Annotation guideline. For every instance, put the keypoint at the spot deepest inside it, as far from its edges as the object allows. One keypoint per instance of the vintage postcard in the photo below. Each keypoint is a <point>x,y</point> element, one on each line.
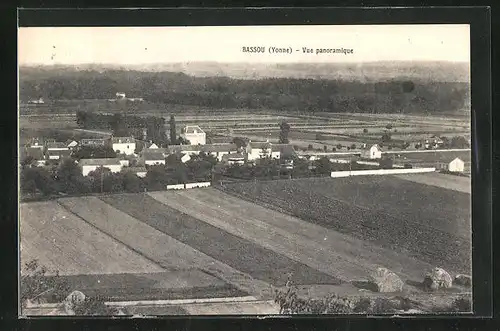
<point>248,170</point>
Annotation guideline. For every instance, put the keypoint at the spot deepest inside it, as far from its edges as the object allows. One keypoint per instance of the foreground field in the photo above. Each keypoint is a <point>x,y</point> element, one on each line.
<point>254,260</point>
<point>426,222</point>
<point>153,286</point>
<point>168,252</point>
<point>61,241</point>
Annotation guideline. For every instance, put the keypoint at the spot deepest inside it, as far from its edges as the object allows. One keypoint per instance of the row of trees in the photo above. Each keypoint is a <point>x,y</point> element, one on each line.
<point>125,125</point>
<point>67,178</point>
<point>273,93</point>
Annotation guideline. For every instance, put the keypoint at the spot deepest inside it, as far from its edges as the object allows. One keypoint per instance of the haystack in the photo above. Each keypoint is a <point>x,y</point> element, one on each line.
<point>463,280</point>
<point>73,299</point>
<point>437,278</point>
<point>385,280</point>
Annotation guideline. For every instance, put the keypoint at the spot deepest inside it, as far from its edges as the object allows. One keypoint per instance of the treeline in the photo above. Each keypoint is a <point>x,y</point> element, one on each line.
<point>307,95</point>
<point>66,178</point>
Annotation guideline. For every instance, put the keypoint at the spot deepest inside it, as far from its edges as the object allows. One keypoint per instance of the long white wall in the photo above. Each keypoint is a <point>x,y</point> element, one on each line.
<point>188,185</point>
<point>380,172</point>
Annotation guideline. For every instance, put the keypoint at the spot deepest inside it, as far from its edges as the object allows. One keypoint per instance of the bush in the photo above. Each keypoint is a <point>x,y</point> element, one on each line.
<point>365,130</point>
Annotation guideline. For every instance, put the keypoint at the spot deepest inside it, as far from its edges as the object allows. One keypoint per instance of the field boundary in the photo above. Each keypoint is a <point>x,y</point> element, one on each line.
<point>336,174</point>
<point>111,236</point>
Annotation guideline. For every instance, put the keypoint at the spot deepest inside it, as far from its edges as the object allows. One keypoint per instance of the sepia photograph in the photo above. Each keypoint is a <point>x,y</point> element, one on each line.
<point>245,170</point>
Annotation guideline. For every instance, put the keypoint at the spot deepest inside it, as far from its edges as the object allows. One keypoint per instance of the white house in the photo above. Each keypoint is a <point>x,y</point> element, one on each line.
<point>120,95</point>
<point>153,157</point>
<point>457,165</point>
<point>194,134</point>
<point>257,150</point>
<point>153,146</point>
<point>123,145</point>
<point>89,165</point>
<point>375,152</point>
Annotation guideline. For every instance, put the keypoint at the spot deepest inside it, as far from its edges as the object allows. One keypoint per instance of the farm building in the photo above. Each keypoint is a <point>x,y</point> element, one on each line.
<point>123,145</point>
<point>89,165</point>
<point>120,95</point>
<point>457,165</point>
<point>35,153</point>
<point>153,157</point>
<point>194,134</point>
<point>153,146</point>
<point>375,152</point>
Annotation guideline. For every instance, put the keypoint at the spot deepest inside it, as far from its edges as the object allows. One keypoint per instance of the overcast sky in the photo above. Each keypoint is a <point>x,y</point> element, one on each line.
<point>143,45</point>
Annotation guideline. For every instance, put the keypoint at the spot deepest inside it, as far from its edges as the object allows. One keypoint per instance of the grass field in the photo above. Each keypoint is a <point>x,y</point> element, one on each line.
<point>426,222</point>
<point>243,255</point>
<point>61,241</point>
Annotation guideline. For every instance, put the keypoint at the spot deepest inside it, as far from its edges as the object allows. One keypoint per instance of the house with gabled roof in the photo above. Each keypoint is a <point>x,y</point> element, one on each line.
<point>123,145</point>
<point>89,165</point>
<point>194,134</point>
<point>152,157</point>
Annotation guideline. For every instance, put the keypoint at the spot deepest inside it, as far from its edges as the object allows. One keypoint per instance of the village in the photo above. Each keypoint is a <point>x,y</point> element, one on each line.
<point>136,156</point>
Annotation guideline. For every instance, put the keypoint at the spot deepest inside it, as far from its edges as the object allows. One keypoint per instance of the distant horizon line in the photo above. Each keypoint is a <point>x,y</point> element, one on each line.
<point>248,63</point>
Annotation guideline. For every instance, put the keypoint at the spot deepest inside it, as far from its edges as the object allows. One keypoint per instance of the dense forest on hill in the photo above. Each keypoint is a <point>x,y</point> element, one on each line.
<point>302,94</point>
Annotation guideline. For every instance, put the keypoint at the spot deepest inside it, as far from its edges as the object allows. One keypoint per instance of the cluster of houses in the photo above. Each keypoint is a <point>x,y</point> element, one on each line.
<point>151,154</point>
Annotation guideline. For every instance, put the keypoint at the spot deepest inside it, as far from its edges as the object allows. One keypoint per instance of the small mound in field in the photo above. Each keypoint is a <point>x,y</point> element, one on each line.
<point>436,279</point>
<point>73,299</point>
<point>384,280</point>
<point>463,280</point>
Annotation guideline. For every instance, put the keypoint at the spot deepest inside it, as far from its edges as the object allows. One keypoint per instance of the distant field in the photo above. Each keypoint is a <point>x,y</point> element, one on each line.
<point>430,156</point>
<point>427,222</point>
<point>252,259</point>
<point>447,181</point>
<point>61,241</point>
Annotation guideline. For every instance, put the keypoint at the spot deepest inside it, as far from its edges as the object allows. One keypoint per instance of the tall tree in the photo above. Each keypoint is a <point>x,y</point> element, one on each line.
<point>284,131</point>
<point>173,134</point>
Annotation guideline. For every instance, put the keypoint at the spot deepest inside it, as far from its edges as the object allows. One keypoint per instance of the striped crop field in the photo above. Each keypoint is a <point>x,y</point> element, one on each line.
<point>425,222</point>
<point>250,258</point>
